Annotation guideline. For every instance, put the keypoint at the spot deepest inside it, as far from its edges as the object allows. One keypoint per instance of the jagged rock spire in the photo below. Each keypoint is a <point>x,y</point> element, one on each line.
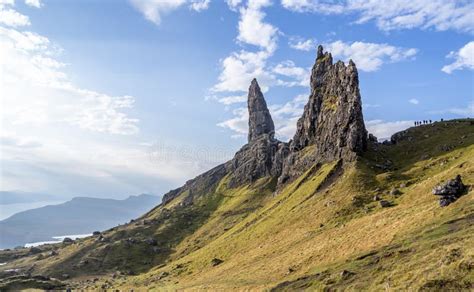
<point>260,120</point>
<point>332,119</point>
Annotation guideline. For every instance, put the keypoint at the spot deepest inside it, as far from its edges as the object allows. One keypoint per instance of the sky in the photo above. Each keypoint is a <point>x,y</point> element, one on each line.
<point>109,98</point>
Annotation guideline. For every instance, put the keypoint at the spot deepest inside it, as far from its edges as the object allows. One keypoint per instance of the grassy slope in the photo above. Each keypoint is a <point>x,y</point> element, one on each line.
<point>308,233</point>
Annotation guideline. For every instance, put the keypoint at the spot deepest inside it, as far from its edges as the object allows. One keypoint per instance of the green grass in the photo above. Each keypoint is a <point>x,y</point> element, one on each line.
<point>305,235</point>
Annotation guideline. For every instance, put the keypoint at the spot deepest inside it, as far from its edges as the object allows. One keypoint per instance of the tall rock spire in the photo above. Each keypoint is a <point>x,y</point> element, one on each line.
<point>260,120</point>
<point>332,122</point>
<point>332,119</point>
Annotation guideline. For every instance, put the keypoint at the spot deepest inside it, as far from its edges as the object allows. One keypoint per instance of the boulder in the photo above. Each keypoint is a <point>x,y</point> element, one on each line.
<point>395,192</point>
<point>68,240</point>
<point>385,204</point>
<point>216,262</point>
<point>450,191</point>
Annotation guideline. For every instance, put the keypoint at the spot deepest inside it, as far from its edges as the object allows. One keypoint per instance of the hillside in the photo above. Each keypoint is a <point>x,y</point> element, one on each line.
<point>80,215</point>
<point>7,198</point>
<point>331,209</point>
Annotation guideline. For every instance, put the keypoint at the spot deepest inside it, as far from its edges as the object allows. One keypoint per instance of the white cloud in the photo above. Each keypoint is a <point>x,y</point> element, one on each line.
<point>369,56</point>
<point>153,10</point>
<point>300,76</point>
<point>253,30</point>
<point>389,15</point>
<point>320,6</point>
<point>34,3</point>
<point>57,137</point>
<point>228,100</point>
<point>284,116</point>
<point>239,69</point>
<point>13,18</point>
<point>233,4</point>
<point>414,101</point>
<point>467,111</point>
<point>406,14</point>
<point>35,89</point>
<point>384,130</point>
<point>463,59</point>
<point>302,45</point>
<point>238,123</point>
<point>199,5</point>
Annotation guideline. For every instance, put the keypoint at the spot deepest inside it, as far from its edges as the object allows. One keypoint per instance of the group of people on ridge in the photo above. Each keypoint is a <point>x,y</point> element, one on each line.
<point>424,122</point>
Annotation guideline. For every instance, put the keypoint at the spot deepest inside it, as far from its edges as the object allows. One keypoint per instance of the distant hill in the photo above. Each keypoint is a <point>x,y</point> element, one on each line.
<point>14,197</point>
<point>80,215</point>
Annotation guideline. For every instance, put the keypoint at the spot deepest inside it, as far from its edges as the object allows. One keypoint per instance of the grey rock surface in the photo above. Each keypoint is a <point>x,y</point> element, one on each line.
<point>260,120</point>
<point>331,128</point>
<point>450,191</point>
<point>263,155</point>
<point>332,121</point>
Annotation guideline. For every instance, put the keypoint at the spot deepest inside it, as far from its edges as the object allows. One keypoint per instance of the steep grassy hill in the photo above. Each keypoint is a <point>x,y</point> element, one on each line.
<point>324,230</point>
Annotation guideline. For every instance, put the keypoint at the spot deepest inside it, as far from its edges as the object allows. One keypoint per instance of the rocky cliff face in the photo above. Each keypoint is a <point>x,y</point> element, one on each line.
<point>332,125</point>
<point>332,119</point>
<point>331,128</point>
<point>263,154</point>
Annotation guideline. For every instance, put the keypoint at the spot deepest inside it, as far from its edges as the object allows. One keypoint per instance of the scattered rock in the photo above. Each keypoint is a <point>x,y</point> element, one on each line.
<point>372,138</point>
<point>446,148</point>
<point>450,191</point>
<point>377,198</point>
<point>68,240</point>
<point>395,192</point>
<point>53,253</point>
<point>216,262</point>
<point>452,256</point>
<point>151,241</point>
<point>346,274</point>
<point>385,204</point>
<point>35,250</point>
<point>96,233</point>
<point>163,275</point>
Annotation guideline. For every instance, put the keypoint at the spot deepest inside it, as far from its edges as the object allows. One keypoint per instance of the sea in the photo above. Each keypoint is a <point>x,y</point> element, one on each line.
<point>57,239</point>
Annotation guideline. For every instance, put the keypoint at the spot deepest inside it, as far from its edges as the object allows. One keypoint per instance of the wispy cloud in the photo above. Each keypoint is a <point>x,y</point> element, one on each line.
<point>301,44</point>
<point>414,101</point>
<point>370,56</point>
<point>384,130</point>
<point>284,116</point>
<point>463,59</point>
<point>467,111</point>
<point>153,10</point>
<point>390,15</point>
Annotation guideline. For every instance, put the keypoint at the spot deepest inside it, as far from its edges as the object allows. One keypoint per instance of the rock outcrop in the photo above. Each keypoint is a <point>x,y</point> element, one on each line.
<point>331,128</point>
<point>450,191</point>
<point>332,119</point>
<point>263,154</point>
<point>332,125</point>
<point>260,120</point>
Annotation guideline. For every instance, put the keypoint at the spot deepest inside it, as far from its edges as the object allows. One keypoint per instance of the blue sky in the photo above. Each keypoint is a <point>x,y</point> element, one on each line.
<point>111,98</point>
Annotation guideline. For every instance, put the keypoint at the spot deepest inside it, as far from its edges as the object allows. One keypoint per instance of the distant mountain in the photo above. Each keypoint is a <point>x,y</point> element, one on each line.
<point>80,215</point>
<point>14,197</point>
